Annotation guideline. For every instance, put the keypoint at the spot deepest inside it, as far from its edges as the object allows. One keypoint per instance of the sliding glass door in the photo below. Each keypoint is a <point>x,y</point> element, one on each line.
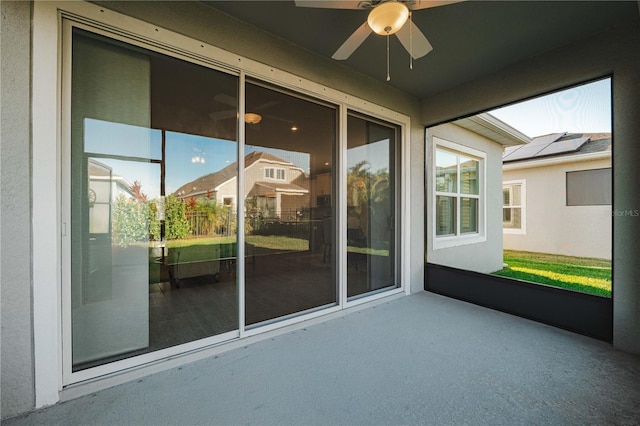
<point>371,205</point>
<point>289,208</point>
<point>161,182</point>
<point>153,150</point>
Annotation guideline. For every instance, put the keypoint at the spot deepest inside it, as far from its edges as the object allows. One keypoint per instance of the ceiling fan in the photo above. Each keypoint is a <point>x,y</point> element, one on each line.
<point>250,117</point>
<point>386,17</point>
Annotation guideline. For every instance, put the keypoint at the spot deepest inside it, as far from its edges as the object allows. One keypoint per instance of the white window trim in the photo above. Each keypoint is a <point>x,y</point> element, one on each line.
<point>523,207</point>
<point>447,241</point>
<point>48,132</point>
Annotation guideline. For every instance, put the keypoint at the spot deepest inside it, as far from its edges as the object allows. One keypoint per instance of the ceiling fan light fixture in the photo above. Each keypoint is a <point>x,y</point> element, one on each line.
<point>252,118</point>
<point>388,17</point>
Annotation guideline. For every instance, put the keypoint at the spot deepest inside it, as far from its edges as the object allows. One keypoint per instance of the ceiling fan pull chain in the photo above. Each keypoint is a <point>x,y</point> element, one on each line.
<point>388,74</point>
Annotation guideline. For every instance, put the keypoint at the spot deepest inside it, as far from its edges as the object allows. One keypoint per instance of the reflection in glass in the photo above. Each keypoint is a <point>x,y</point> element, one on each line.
<point>370,185</point>
<point>153,166</point>
<point>445,215</point>
<point>446,172</point>
<point>469,171</point>
<point>288,193</point>
<point>468,215</point>
<point>456,175</point>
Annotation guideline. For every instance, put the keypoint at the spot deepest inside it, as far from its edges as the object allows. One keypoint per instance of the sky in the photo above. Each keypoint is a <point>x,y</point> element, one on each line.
<point>582,109</point>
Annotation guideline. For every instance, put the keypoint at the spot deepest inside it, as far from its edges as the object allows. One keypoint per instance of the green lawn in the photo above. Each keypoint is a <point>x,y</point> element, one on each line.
<point>582,274</point>
<point>212,248</point>
<point>203,249</point>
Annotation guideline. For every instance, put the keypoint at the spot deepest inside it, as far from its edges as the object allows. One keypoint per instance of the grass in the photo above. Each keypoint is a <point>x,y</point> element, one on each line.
<point>582,274</point>
<point>212,248</point>
<point>367,250</point>
<point>208,248</point>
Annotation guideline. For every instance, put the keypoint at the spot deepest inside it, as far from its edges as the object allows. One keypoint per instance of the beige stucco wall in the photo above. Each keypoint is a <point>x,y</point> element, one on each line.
<point>17,386</point>
<point>551,225</point>
<point>485,256</point>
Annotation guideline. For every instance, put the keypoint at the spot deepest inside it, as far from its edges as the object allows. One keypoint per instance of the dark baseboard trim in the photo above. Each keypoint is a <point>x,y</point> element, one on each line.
<point>578,312</point>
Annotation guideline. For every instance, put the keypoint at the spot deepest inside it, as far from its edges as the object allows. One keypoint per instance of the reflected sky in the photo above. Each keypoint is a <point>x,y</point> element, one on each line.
<point>188,157</point>
<point>376,154</point>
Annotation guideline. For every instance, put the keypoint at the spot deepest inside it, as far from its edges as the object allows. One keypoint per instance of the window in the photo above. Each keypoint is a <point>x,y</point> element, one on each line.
<point>458,193</point>
<point>589,187</point>
<point>372,212</point>
<point>513,207</point>
<point>272,173</point>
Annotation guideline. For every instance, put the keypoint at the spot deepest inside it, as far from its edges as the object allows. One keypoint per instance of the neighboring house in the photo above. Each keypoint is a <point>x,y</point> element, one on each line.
<point>557,194</point>
<point>278,187</point>
<point>465,156</point>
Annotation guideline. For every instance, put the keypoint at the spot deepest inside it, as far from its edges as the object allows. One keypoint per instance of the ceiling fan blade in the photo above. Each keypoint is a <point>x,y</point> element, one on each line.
<point>223,98</point>
<point>414,40</point>
<point>425,4</point>
<point>353,42</point>
<point>332,4</point>
<point>222,115</point>
<point>267,105</point>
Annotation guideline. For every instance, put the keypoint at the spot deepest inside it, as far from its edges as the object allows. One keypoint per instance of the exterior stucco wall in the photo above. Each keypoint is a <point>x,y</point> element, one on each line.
<point>616,51</point>
<point>15,210</point>
<point>483,256</point>
<point>551,225</point>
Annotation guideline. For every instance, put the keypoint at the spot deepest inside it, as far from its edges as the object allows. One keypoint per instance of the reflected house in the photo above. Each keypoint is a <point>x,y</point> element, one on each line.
<point>557,194</point>
<point>276,188</point>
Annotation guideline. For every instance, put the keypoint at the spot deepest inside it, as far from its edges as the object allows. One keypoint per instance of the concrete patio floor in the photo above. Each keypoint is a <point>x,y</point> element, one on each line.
<point>420,359</point>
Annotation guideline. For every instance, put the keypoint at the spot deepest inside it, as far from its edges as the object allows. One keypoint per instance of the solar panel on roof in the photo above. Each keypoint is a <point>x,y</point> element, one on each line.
<point>560,147</point>
<point>545,145</point>
<point>547,139</point>
<point>525,151</point>
<point>509,150</point>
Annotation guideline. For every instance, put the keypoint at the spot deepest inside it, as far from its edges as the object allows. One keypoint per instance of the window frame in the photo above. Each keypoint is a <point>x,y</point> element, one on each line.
<point>459,238</point>
<point>273,173</point>
<point>522,206</point>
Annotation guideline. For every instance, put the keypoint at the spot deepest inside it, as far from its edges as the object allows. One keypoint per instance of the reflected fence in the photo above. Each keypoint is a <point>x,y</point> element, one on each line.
<point>205,224</point>
<point>293,224</point>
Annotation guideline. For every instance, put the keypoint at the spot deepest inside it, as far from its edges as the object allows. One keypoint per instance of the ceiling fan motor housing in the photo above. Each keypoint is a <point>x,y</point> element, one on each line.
<point>387,18</point>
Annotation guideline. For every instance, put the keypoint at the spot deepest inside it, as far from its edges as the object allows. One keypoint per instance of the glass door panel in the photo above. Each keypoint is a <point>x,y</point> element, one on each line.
<point>153,184</point>
<point>289,208</point>
<point>371,206</point>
